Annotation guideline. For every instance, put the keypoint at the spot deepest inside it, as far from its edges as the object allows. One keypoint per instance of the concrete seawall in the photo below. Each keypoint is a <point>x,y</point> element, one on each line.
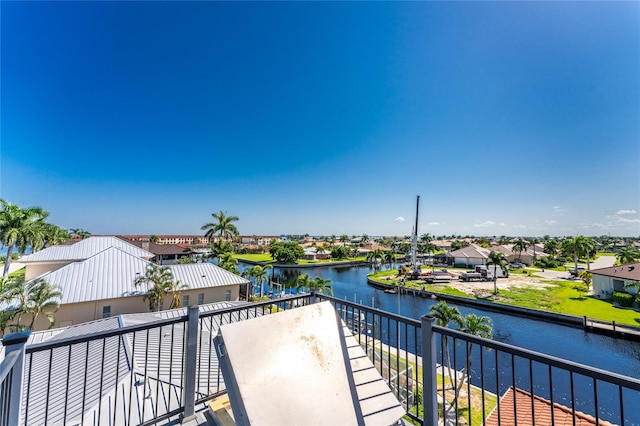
<point>591,325</point>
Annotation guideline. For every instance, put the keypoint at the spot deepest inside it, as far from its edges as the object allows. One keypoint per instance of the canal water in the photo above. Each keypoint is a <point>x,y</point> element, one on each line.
<point>619,356</point>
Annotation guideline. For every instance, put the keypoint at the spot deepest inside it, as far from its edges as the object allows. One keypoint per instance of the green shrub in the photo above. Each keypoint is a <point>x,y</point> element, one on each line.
<point>623,299</point>
<point>548,262</point>
<point>460,265</point>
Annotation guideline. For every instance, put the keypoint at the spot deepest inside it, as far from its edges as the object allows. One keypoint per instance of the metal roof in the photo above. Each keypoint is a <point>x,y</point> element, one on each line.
<point>204,275</point>
<point>84,249</point>
<point>126,379</point>
<point>111,273</point>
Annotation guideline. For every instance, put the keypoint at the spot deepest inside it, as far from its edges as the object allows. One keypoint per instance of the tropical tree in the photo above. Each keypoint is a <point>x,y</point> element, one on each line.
<point>153,239</point>
<point>389,257</point>
<point>551,247</point>
<point>42,299</point>
<point>344,238</point>
<point>496,258</point>
<point>223,225</point>
<point>286,252</point>
<point>174,288</point>
<point>19,227</point>
<point>304,282</point>
<point>445,315</point>
<point>158,280</point>
<point>520,245</point>
<point>320,249</point>
<point>365,239</point>
<point>375,256</point>
<point>478,326</point>
<point>79,232</point>
<point>52,235</point>
<point>260,273</point>
<point>321,285</point>
<point>228,262</point>
<point>627,254</point>
<point>577,247</point>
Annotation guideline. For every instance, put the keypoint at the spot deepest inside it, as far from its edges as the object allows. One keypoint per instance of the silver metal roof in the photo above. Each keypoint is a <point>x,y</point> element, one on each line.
<point>111,274</point>
<point>125,379</point>
<point>84,249</point>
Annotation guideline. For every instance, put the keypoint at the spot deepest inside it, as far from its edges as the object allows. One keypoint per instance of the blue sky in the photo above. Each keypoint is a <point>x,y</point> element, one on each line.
<point>324,118</point>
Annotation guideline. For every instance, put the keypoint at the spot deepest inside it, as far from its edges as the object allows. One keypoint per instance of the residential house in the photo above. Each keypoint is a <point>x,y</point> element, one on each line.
<point>614,278</point>
<point>468,256</point>
<point>100,285</point>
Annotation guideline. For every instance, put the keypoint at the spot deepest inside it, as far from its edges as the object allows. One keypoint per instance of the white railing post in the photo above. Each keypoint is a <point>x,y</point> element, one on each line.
<point>14,344</point>
<point>429,382</point>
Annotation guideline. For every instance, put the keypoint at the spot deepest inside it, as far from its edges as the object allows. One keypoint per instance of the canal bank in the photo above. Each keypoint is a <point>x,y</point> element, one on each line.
<point>339,263</point>
<point>610,329</point>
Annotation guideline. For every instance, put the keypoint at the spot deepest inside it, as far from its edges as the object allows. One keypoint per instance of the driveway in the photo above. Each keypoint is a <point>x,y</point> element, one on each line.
<point>601,262</point>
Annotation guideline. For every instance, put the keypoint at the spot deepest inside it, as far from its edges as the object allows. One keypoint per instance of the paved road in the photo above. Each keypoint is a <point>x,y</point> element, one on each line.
<point>601,262</point>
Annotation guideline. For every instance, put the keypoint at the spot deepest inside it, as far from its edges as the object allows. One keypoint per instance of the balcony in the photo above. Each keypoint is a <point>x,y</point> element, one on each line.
<point>140,369</point>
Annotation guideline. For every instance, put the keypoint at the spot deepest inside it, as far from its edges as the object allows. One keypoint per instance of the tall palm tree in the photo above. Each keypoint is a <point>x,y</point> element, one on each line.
<point>365,239</point>
<point>223,225</point>
<point>496,258</point>
<point>157,279</point>
<point>42,299</point>
<point>19,227</point>
<point>321,285</point>
<point>445,315</point>
<point>520,245</point>
<point>579,246</point>
<point>478,326</point>
<point>628,254</point>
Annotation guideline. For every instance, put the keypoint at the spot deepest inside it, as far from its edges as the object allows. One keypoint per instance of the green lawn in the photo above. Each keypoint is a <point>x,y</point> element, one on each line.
<point>560,296</point>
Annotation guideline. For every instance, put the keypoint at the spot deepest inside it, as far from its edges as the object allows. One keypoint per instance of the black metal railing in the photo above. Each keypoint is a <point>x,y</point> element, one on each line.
<point>155,372</point>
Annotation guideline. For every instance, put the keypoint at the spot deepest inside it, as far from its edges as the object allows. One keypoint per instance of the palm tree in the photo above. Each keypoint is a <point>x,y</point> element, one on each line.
<point>54,235</point>
<point>496,258</point>
<point>374,256</point>
<point>304,282</point>
<point>157,279</point>
<point>223,225</point>
<point>19,227</point>
<point>227,262</point>
<point>365,239</point>
<point>444,316</point>
<point>260,273</point>
<point>174,287</point>
<point>344,238</point>
<point>478,326</point>
<point>628,254</point>
<point>389,257</point>
<point>42,299</point>
<point>321,285</point>
<point>520,245</point>
<point>579,246</point>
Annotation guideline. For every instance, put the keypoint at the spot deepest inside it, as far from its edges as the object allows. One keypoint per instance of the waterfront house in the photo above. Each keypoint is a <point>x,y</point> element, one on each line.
<point>96,277</point>
<point>56,257</point>
<point>615,278</point>
<point>468,256</point>
<point>164,254</point>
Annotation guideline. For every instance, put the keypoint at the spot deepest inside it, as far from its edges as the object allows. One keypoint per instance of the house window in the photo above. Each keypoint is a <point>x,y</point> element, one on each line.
<point>106,311</point>
<point>200,298</point>
<point>161,306</point>
<point>227,295</point>
<point>185,300</point>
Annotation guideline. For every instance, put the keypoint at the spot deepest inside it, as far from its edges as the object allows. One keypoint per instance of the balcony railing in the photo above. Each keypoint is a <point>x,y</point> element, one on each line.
<point>159,371</point>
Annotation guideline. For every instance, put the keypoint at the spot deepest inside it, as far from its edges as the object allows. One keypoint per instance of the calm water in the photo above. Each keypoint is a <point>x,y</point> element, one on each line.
<point>569,343</point>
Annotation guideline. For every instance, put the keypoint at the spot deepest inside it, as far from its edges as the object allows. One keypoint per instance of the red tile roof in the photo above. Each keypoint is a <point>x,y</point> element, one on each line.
<point>562,415</point>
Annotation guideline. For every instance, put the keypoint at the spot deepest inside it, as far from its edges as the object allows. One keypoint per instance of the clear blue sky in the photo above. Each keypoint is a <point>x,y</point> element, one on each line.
<point>324,118</point>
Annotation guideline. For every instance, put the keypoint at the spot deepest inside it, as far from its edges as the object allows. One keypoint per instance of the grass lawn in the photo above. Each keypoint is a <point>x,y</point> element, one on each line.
<point>562,297</point>
<point>265,257</point>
